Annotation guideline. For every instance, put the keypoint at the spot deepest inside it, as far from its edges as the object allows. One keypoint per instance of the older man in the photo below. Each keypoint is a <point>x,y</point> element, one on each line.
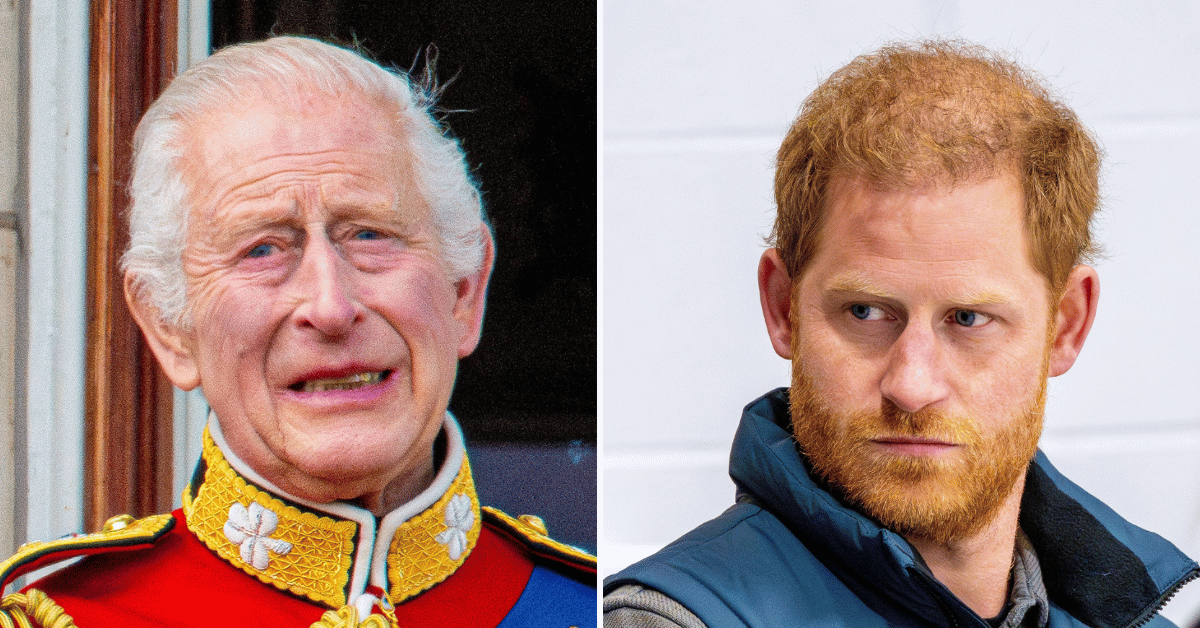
<point>308,247</point>
<point>934,210</point>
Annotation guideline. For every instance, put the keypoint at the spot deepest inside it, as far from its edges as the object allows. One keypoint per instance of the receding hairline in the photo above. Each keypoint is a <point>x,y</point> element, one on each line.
<point>947,109</point>
<point>928,183</point>
<point>205,126</point>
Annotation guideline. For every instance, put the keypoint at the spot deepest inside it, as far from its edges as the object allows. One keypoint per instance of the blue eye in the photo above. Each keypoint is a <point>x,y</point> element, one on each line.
<point>864,312</point>
<point>367,234</point>
<point>261,250</point>
<point>970,318</point>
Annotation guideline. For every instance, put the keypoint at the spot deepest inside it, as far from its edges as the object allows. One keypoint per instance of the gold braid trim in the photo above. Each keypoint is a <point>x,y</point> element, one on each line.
<point>347,617</point>
<point>16,609</point>
<point>424,550</point>
<point>418,558</point>
<point>120,531</point>
<point>317,565</point>
<point>532,530</point>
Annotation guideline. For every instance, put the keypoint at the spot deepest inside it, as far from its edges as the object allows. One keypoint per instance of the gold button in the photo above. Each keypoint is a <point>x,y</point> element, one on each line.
<point>535,522</point>
<point>119,522</point>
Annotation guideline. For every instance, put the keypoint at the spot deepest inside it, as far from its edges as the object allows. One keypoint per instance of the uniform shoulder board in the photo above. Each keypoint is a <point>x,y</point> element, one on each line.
<point>530,531</point>
<point>121,533</point>
<point>33,609</point>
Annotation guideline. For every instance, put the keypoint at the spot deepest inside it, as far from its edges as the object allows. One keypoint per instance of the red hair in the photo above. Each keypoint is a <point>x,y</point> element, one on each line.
<point>940,111</point>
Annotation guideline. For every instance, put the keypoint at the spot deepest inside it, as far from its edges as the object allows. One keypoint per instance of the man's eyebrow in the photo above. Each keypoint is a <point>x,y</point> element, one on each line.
<point>855,283</point>
<point>984,297</point>
<point>393,213</point>
<point>348,208</point>
<point>258,221</point>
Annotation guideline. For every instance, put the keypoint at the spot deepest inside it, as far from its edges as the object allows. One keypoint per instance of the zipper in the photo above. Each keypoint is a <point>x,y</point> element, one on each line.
<point>1149,613</point>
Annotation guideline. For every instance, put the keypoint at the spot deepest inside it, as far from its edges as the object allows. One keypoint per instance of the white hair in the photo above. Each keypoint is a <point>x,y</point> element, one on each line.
<point>278,68</point>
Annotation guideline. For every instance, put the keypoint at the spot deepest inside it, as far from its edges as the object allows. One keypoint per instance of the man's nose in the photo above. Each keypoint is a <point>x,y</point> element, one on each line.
<point>914,377</point>
<point>327,300</point>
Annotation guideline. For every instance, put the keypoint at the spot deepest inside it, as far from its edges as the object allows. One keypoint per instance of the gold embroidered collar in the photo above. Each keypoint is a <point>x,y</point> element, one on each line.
<point>331,553</point>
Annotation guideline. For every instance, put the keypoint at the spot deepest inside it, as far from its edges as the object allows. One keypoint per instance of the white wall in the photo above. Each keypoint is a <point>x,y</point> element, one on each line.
<point>54,249</point>
<point>10,171</point>
<point>696,97</point>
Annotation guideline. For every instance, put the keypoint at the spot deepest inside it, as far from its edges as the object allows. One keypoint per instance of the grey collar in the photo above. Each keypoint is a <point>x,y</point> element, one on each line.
<point>1028,589</point>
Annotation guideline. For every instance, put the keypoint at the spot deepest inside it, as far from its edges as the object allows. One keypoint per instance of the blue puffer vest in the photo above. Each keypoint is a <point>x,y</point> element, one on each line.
<point>794,555</point>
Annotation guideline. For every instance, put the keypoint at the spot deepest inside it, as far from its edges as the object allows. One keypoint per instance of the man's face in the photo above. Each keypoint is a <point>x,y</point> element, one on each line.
<point>326,333</point>
<point>921,352</point>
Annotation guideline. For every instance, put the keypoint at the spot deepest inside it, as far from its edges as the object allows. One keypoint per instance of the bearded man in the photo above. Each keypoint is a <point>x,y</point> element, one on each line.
<point>934,210</point>
<point>308,246</point>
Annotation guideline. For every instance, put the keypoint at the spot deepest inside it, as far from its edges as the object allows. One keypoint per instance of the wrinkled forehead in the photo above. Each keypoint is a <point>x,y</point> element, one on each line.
<point>262,135</point>
<point>307,120</point>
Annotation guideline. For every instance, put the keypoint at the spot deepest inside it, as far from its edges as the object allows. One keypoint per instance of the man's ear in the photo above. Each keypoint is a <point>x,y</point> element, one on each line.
<point>1074,317</point>
<point>172,346</point>
<point>472,298</point>
<point>775,294</point>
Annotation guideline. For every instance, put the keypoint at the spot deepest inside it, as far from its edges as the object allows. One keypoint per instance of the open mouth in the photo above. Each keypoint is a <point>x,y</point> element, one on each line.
<point>348,382</point>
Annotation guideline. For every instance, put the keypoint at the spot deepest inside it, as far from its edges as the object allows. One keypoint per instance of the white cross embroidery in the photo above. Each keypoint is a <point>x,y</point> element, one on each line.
<point>251,530</point>
<point>459,520</point>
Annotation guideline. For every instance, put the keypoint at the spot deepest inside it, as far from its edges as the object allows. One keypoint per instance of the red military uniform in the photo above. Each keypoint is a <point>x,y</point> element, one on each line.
<point>240,552</point>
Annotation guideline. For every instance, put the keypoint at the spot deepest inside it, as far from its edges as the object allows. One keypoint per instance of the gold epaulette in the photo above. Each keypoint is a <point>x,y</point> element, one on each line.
<point>530,531</point>
<point>121,533</point>
<point>33,609</point>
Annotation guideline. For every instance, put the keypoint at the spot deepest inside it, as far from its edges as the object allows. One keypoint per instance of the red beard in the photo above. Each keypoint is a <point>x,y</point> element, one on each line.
<point>942,499</point>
